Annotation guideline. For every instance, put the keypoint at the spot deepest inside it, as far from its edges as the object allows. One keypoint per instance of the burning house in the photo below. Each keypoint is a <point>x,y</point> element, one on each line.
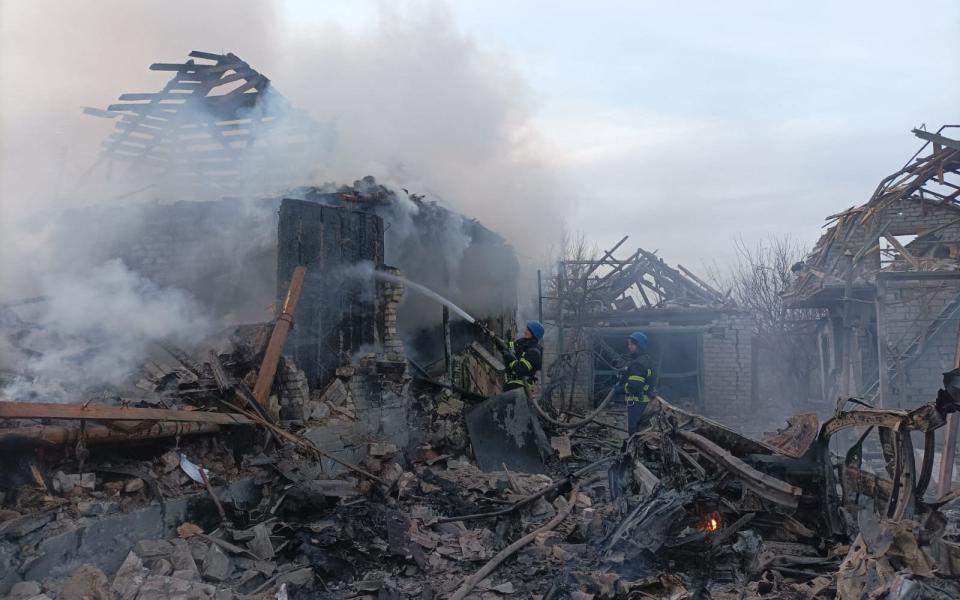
<point>246,242</point>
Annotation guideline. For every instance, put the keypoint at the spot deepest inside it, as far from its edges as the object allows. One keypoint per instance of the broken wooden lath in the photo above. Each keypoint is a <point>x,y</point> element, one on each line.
<point>642,280</point>
<point>216,119</point>
<point>931,177</point>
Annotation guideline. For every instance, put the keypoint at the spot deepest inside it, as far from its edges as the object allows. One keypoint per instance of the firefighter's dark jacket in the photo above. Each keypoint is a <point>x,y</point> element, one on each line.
<point>524,362</point>
<point>639,379</point>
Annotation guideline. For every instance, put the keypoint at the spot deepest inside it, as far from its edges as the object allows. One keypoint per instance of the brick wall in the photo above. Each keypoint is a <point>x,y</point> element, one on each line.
<point>911,216</point>
<point>907,312</point>
<point>336,316</point>
<point>391,294</point>
<point>727,368</point>
<point>905,217</point>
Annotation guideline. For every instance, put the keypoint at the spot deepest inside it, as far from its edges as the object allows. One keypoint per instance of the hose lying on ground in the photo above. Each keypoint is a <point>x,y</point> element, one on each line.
<point>572,424</point>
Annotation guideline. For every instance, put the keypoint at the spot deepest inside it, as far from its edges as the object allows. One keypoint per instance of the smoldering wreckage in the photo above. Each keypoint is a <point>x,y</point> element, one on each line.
<point>358,445</point>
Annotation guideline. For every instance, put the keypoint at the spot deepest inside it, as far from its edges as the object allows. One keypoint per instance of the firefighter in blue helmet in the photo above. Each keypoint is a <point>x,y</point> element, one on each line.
<point>637,381</point>
<point>523,358</point>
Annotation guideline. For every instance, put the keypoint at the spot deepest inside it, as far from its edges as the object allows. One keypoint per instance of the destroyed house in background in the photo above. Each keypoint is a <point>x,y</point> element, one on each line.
<point>888,276</point>
<point>701,342</point>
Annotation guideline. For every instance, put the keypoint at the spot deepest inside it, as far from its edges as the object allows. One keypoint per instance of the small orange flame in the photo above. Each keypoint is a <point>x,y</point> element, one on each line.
<point>711,523</point>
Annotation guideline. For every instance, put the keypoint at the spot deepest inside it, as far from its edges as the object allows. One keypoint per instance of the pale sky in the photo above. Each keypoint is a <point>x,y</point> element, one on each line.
<point>686,125</point>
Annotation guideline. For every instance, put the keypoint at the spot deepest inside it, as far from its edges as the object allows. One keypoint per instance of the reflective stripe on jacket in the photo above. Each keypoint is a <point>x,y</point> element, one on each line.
<point>523,368</point>
<point>638,386</point>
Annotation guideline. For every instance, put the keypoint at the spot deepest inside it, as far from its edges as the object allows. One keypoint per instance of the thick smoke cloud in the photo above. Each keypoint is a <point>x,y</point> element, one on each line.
<point>94,328</point>
<point>410,100</point>
<point>407,98</point>
<point>416,104</point>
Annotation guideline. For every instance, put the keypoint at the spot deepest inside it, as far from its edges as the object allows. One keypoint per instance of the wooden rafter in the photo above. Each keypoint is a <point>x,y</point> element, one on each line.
<point>214,109</point>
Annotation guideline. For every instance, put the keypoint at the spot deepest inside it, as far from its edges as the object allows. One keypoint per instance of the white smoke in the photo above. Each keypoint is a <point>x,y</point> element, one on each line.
<point>408,99</point>
<point>95,328</point>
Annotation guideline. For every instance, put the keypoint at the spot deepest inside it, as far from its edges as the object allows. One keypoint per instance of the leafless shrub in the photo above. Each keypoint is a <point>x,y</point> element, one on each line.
<point>785,338</point>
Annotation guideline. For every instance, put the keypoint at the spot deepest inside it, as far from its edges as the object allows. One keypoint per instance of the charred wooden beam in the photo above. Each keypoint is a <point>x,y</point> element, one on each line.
<point>100,412</point>
<point>271,358</point>
<point>937,138</point>
<point>712,430</point>
<point>768,487</point>
<point>219,374</point>
<point>869,484</point>
<point>195,68</point>
<point>96,434</point>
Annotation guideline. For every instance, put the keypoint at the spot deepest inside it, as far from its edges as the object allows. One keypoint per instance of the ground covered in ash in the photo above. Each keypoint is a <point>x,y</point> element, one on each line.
<point>687,508</point>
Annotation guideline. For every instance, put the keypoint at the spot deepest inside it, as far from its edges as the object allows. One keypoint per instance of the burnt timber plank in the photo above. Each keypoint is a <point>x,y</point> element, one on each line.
<point>145,109</point>
<point>257,83</point>
<point>936,138</point>
<point>191,68</point>
<point>768,487</point>
<point>101,412</point>
<point>240,74</point>
<point>208,55</point>
<point>138,96</point>
<point>185,90</point>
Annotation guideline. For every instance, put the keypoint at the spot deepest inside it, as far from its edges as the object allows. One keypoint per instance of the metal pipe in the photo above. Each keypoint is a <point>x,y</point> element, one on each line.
<point>561,269</point>
<point>539,296</point>
<point>271,358</point>
<point>447,347</point>
<point>948,455</point>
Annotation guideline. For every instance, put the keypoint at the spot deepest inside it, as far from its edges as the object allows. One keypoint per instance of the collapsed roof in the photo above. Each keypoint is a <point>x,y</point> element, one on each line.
<point>611,288</point>
<point>921,199</point>
<point>217,120</point>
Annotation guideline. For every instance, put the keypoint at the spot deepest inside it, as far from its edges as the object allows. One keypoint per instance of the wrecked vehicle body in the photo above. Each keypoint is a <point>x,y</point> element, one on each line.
<point>796,517</point>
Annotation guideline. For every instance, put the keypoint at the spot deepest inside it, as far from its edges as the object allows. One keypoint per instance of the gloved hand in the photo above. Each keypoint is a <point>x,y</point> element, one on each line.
<point>619,388</point>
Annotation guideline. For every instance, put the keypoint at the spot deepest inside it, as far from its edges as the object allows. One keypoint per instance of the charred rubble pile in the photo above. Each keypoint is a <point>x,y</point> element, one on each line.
<point>303,459</point>
<point>787,517</point>
<point>238,500</point>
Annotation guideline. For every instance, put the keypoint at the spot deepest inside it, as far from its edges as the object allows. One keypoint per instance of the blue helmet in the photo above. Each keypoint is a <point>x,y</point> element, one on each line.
<point>640,339</point>
<point>536,328</point>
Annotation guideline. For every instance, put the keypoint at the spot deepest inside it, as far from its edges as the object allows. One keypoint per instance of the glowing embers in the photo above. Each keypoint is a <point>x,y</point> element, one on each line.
<point>711,523</point>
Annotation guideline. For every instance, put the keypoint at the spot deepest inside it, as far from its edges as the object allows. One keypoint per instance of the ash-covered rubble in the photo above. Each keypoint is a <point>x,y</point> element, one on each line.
<point>210,483</point>
<point>687,508</point>
<point>295,461</point>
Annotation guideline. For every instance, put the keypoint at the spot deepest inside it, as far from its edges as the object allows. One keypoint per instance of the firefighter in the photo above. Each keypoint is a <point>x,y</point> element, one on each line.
<point>636,381</point>
<point>524,358</point>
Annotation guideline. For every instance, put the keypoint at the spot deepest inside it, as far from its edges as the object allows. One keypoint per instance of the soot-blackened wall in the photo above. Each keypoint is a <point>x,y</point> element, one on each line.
<point>336,316</point>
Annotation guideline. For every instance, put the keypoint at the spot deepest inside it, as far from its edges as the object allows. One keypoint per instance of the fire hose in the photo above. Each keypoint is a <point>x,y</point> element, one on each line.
<point>572,424</point>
